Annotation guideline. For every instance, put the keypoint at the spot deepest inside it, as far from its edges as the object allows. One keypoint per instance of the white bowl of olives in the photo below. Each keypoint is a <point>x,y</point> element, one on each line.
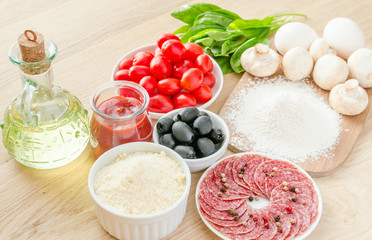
<point>201,137</point>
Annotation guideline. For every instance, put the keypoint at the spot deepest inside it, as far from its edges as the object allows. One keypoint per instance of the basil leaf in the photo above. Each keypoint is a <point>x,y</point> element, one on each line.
<point>232,44</point>
<point>182,29</point>
<point>216,48</point>
<point>187,13</point>
<point>206,41</point>
<point>220,35</point>
<point>203,33</point>
<point>224,63</point>
<point>241,24</point>
<point>212,17</point>
<point>235,58</point>
<point>196,29</point>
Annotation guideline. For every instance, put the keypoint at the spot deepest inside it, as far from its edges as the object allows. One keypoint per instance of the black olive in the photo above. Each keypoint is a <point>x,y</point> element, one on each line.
<point>182,132</point>
<point>204,114</point>
<point>185,151</point>
<point>164,125</point>
<point>205,146</point>
<point>202,125</point>
<point>167,140</point>
<point>188,114</point>
<point>216,135</point>
<point>175,118</point>
<point>217,146</point>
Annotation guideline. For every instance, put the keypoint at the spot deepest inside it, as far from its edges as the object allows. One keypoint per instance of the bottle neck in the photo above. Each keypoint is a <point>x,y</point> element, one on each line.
<point>42,83</point>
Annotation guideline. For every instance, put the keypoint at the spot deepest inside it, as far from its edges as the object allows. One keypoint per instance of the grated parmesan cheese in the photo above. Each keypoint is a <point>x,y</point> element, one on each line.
<point>140,183</point>
<point>284,118</point>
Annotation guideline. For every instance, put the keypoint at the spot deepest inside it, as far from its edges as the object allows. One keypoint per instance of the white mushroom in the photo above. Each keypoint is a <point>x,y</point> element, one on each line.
<point>348,98</point>
<point>260,60</point>
<point>319,48</point>
<point>297,64</point>
<point>329,71</point>
<point>360,66</point>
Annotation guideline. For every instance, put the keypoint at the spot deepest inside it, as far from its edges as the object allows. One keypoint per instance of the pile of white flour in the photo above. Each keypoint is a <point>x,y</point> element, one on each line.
<point>284,118</point>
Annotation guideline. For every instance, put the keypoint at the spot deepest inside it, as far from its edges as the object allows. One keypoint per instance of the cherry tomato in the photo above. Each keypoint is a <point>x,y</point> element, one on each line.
<point>136,73</point>
<point>158,52</point>
<point>148,83</point>
<point>193,50</point>
<point>160,103</point>
<point>184,99</point>
<point>122,75</point>
<point>179,68</point>
<point>165,37</point>
<point>126,63</point>
<point>192,79</point>
<point>202,94</point>
<point>142,58</point>
<point>160,67</point>
<point>169,86</point>
<point>204,63</point>
<point>209,79</point>
<point>173,50</point>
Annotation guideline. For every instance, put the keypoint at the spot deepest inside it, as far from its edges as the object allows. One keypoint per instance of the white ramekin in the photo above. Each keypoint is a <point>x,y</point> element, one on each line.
<point>131,227</point>
<point>199,164</point>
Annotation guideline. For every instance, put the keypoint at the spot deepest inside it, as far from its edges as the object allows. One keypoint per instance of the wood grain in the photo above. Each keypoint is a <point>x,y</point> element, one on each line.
<point>351,127</point>
<point>91,37</point>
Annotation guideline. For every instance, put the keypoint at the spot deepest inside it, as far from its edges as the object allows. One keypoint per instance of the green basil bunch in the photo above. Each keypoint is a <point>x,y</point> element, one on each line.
<point>224,34</point>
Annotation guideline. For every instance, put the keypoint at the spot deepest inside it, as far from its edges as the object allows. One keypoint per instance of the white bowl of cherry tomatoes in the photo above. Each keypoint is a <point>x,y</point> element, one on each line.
<point>175,75</point>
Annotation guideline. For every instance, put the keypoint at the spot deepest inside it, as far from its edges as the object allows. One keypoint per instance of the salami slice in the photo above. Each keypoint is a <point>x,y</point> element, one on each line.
<point>283,224</point>
<point>305,216</point>
<point>254,234</point>
<point>269,227</point>
<point>294,188</point>
<point>238,165</point>
<point>301,200</point>
<point>293,217</point>
<point>237,224</point>
<point>225,215</point>
<point>233,185</point>
<point>216,202</point>
<point>211,183</point>
<point>284,175</point>
<point>253,161</point>
<point>220,167</point>
<point>268,169</point>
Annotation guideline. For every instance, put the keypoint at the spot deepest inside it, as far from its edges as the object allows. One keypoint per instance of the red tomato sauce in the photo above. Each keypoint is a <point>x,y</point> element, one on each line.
<point>113,132</point>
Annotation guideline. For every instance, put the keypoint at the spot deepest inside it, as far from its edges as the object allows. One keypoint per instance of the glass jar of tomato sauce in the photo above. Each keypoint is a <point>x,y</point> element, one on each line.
<point>119,116</point>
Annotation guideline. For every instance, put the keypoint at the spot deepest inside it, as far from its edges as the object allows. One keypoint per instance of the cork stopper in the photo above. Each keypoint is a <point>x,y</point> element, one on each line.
<point>32,49</point>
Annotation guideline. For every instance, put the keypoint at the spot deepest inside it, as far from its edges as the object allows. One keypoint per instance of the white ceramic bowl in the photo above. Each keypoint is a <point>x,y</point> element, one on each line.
<point>199,164</point>
<point>132,227</point>
<point>262,202</point>
<point>151,48</point>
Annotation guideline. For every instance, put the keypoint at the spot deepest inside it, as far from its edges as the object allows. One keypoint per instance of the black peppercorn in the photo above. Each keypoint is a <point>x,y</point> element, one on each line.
<point>277,218</point>
<point>250,199</point>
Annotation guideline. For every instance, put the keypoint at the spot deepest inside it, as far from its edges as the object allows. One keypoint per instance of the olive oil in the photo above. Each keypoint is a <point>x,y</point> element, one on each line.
<point>50,144</point>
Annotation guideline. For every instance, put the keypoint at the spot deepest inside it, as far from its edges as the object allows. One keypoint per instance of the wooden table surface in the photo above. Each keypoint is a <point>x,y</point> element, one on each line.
<point>91,37</point>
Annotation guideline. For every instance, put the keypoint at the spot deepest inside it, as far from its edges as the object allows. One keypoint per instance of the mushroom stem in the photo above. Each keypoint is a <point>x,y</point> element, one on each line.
<point>261,49</point>
<point>351,84</point>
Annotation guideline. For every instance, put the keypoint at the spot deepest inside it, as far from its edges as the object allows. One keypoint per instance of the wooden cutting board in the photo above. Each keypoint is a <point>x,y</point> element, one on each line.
<point>316,167</point>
